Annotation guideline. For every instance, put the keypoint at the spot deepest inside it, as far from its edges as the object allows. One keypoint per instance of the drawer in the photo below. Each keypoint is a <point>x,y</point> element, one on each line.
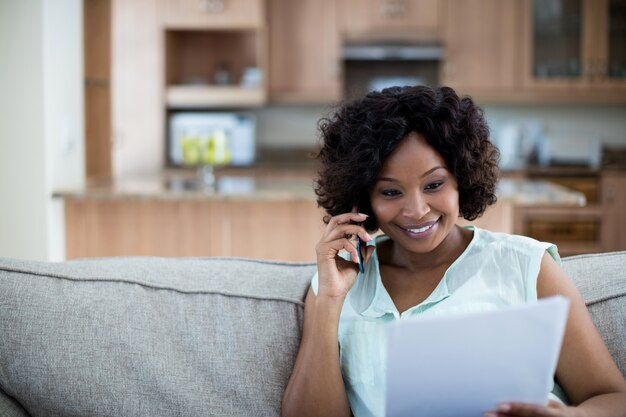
<point>563,231</point>
<point>212,14</point>
<point>589,186</point>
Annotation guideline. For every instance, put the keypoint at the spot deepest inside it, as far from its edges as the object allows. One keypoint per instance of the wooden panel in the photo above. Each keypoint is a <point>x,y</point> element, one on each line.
<point>525,215</point>
<point>137,89</point>
<point>97,39</point>
<point>280,230</point>
<point>195,56</point>
<point>482,45</point>
<point>391,18</point>
<point>275,230</point>
<point>75,229</point>
<point>593,86</point>
<point>304,51</point>
<point>199,233</point>
<point>497,218</point>
<point>214,97</point>
<point>212,14</point>
<point>98,130</point>
<point>97,66</point>
<point>613,210</point>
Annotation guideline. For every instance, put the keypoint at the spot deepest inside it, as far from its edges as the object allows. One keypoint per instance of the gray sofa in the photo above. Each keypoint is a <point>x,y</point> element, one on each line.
<point>185,337</point>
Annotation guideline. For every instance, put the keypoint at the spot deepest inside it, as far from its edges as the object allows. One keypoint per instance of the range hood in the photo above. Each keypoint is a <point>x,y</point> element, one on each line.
<point>375,65</point>
<point>392,52</point>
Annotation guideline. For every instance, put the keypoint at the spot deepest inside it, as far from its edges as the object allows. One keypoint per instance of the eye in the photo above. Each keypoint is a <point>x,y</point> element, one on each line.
<point>390,193</point>
<point>434,185</point>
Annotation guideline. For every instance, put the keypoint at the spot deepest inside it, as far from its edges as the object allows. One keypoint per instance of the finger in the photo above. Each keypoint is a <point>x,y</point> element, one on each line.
<point>347,230</point>
<point>347,218</point>
<point>526,410</point>
<point>330,250</point>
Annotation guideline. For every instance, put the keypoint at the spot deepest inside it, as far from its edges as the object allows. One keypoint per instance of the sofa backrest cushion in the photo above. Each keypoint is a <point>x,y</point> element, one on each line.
<point>203,336</point>
<point>148,336</point>
<point>601,279</point>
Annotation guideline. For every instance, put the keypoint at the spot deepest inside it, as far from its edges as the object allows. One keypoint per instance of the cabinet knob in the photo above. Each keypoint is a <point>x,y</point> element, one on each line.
<point>212,6</point>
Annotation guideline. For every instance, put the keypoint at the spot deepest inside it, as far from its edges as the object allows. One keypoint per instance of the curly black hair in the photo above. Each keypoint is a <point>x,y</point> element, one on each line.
<point>358,138</point>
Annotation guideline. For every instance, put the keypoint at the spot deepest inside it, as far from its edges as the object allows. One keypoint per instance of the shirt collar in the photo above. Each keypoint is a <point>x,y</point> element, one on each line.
<point>371,299</point>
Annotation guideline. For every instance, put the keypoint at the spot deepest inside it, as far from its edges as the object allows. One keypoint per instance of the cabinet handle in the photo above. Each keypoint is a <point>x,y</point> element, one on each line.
<point>392,9</point>
<point>212,6</point>
<point>610,194</point>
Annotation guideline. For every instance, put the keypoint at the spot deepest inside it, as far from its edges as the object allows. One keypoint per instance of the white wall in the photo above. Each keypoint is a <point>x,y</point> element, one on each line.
<point>63,111</point>
<point>41,113</point>
<point>296,126</point>
<point>604,123</point>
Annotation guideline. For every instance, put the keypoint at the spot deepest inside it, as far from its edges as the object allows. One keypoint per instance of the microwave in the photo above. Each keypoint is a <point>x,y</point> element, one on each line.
<point>218,138</point>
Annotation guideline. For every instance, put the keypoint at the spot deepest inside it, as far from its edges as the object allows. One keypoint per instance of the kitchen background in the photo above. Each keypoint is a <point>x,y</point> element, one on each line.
<point>92,162</point>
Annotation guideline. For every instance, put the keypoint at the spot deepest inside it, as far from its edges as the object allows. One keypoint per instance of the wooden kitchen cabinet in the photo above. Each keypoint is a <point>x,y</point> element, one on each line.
<point>209,46</point>
<point>195,58</point>
<point>212,14</point>
<point>382,19</point>
<point>599,226</point>
<point>574,50</point>
<point>482,47</point>
<point>497,218</point>
<point>575,230</point>
<point>613,210</point>
<point>305,49</point>
<point>137,88</point>
<point>97,88</point>
<point>277,229</point>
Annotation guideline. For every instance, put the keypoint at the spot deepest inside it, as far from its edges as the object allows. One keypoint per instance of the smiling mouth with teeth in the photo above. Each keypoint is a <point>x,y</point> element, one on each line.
<point>419,230</point>
<point>423,229</point>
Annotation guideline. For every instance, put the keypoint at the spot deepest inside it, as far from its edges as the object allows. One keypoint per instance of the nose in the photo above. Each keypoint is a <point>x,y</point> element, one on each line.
<point>416,206</point>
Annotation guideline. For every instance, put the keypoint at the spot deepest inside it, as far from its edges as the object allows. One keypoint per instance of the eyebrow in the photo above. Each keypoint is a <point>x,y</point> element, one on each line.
<point>430,171</point>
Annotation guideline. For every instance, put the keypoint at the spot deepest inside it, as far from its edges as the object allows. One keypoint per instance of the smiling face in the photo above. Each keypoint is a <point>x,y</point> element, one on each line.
<point>415,198</point>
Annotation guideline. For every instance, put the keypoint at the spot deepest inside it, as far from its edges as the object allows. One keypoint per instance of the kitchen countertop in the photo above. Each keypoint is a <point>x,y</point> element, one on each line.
<point>262,184</point>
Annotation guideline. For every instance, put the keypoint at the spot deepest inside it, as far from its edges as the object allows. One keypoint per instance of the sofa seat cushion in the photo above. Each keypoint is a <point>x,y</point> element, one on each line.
<point>149,336</point>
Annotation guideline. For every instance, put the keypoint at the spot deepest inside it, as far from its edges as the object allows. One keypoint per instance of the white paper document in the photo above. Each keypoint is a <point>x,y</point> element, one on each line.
<point>465,365</point>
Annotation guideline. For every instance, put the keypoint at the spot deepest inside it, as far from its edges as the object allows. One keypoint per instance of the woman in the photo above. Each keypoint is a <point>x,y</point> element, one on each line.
<point>408,162</point>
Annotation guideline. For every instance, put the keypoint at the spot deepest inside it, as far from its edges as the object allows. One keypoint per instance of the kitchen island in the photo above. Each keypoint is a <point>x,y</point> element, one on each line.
<point>253,212</point>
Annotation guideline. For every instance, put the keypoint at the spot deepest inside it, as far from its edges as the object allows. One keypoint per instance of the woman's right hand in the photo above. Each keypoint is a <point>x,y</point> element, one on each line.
<point>336,275</point>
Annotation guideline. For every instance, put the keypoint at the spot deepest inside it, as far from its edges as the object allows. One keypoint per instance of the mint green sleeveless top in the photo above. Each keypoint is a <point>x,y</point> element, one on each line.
<point>496,270</point>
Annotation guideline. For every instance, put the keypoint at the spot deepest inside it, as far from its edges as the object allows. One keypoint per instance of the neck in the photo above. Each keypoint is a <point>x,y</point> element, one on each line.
<point>443,255</point>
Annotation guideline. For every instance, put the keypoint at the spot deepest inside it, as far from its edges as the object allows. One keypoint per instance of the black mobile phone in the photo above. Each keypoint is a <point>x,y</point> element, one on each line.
<point>360,243</point>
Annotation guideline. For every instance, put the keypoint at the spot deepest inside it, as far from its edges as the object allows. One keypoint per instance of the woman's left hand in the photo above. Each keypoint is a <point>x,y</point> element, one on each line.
<point>553,409</point>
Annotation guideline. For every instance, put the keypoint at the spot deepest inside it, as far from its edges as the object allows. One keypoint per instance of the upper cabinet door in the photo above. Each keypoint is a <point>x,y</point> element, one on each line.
<point>616,53</point>
<point>578,44</point>
<point>559,52</point>
<point>213,14</point>
<point>304,51</point>
<point>391,18</point>
<point>482,47</point>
